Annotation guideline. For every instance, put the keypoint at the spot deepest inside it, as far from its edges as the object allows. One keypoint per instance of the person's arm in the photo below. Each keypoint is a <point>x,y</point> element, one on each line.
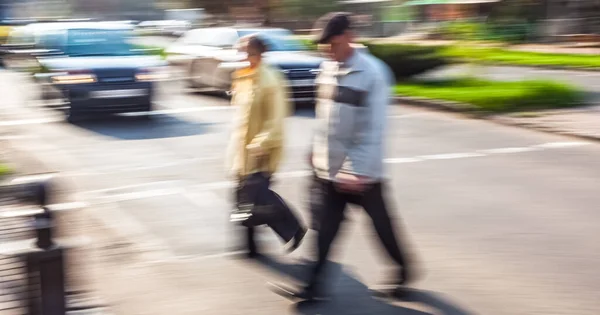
<point>276,104</point>
<point>369,137</point>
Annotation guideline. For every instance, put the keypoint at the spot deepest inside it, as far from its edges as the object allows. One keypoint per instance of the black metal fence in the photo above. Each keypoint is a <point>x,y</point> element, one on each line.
<point>32,268</point>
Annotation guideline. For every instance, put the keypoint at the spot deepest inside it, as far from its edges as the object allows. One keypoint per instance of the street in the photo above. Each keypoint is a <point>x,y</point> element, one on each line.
<point>503,221</point>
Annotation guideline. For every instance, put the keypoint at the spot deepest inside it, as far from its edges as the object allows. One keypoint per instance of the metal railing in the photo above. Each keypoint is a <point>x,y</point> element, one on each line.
<point>39,258</point>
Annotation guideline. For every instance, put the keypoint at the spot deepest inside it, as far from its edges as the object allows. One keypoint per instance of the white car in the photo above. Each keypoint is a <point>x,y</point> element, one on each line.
<point>207,57</point>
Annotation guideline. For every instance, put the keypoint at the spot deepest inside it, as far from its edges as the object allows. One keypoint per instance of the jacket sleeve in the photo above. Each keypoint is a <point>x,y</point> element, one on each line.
<point>367,148</point>
<point>276,107</point>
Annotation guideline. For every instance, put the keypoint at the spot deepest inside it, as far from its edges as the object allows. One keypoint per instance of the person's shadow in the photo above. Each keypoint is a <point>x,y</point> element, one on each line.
<point>350,296</point>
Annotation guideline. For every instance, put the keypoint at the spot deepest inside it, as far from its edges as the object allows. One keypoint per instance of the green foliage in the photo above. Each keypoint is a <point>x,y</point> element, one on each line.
<point>408,60</point>
<point>496,96</point>
<point>404,60</point>
<point>5,170</point>
<point>462,30</point>
<point>509,32</point>
<point>309,8</point>
<point>522,58</point>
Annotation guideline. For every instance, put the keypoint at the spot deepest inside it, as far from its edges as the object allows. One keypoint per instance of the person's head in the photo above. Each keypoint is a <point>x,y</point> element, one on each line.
<point>254,47</point>
<point>334,35</point>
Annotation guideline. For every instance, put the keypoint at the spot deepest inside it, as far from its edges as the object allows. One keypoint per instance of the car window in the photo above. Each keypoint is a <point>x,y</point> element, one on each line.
<point>51,40</point>
<point>98,42</point>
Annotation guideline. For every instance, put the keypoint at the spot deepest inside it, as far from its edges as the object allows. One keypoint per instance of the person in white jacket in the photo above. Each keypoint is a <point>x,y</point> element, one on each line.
<point>354,91</point>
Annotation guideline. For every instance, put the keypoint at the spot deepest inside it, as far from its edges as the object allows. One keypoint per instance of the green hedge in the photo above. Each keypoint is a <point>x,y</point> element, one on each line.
<point>493,96</point>
<point>4,170</point>
<point>408,60</point>
<point>509,32</point>
<point>404,60</point>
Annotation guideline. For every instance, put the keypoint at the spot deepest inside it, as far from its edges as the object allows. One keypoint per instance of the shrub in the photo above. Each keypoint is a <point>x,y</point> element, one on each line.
<point>408,60</point>
<point>462,30</point>
<point>404,60</point>
<point>4,170</point>
<point>496,96</point>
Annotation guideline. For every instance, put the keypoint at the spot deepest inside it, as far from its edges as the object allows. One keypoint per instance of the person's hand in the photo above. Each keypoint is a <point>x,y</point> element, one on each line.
<point>351,183</point>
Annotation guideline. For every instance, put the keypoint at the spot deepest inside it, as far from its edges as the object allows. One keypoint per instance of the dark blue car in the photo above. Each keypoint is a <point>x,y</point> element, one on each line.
<point>91,69</point>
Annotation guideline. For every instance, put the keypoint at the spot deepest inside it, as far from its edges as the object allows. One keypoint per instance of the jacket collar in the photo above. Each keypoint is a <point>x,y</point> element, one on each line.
<point>355,63</point>
<point>246,72</point>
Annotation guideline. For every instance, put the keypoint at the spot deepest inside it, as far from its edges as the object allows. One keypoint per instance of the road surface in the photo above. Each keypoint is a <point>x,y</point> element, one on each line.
<point>504,221</point>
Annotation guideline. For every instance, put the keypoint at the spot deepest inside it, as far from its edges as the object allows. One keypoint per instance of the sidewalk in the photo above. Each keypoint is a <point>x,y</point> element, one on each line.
<point>23,154</point>
<point>581,122</point>
<point>224,285</point>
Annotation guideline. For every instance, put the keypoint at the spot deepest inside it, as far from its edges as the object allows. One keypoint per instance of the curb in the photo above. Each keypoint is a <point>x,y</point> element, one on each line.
<point>469,111</point>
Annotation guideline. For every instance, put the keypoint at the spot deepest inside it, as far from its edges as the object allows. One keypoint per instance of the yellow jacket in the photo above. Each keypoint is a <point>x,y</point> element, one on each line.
<point>261,98</point>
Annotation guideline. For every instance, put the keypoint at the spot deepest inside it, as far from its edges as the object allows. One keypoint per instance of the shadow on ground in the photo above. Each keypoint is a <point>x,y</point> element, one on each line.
<point>137,128</point>
<point>350,296</point>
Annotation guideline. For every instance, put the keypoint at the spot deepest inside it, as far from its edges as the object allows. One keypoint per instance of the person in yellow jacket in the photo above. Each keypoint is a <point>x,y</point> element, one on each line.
<point>259,92</point>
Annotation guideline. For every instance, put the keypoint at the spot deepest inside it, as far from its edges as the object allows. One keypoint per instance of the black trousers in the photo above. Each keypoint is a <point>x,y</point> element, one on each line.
<point>280,218</point>
<point>331,214</point>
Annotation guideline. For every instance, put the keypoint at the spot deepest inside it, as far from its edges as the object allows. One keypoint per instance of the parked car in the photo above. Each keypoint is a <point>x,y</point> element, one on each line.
<point>208,57</point>
<point>6,28</point>
<point>164,27</point>
<point>91,68</point>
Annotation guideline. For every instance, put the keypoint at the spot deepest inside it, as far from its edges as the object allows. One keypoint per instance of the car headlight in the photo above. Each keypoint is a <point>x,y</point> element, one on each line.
<point>152,74</point>
<point>74,78</point>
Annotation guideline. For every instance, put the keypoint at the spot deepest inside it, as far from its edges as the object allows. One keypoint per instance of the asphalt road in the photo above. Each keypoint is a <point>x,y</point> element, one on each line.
<point>504,221</point>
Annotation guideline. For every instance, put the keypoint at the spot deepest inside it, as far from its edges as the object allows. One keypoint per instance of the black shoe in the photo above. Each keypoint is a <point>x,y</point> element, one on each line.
<point>405,276</point>
<point>297,240</point>
<point>306,294</point>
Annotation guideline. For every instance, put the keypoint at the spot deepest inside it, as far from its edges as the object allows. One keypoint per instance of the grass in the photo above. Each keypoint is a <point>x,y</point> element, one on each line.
<point>4,170</point>
<point>521,58</point>
<point>492,96</point>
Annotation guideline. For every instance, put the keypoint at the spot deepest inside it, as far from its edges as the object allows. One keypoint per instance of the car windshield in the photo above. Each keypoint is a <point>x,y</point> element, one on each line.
<point>278,40</point>
<point>98,42</point>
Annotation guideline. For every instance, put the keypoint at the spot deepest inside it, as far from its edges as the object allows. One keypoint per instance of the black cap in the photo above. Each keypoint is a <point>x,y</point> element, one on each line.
<point>330,25</point>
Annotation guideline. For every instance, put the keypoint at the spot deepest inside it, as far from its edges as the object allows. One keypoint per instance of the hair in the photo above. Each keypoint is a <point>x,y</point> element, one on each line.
<point>253,41</point>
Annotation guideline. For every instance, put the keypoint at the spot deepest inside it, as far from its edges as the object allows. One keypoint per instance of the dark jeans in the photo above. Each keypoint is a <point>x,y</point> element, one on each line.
<point>280,218</point>
<point>333,204</point>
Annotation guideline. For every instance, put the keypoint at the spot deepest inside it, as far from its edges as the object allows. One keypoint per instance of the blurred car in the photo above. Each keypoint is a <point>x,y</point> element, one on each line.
<point>88,69</point>
<point>163,27</point>
<point>6,28</point>
<point>207,57</point>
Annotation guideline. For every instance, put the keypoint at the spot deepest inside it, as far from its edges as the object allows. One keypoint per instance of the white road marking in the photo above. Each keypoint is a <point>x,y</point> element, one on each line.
<point>402,160</point>
<point>14,137</point>
<point>450,156</point>
<point>113,189</point>
<point>143,194</point>
<point>33,178</point>
<point>171,111</point>
<point>557,145</point>
<point>510,150</point>
<point>111,195</point>
<point>23,122</point>
<point>400,116</point>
